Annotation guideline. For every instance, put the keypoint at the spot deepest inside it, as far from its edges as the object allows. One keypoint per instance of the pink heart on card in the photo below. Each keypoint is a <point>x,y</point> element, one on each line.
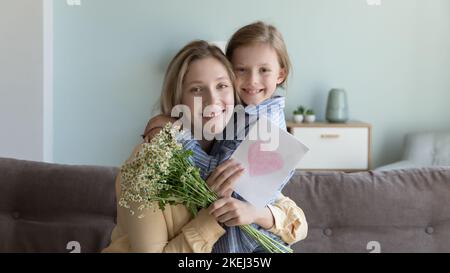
<point>263,162</point>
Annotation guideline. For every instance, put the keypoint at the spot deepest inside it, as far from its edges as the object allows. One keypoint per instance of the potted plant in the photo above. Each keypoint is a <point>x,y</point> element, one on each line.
<point>310,116</point>
<point>298,114</point>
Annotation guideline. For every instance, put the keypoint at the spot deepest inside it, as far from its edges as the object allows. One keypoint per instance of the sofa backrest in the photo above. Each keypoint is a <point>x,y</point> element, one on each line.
<point>55,208</point>
<point>387,211</point>
<point>62,208</point>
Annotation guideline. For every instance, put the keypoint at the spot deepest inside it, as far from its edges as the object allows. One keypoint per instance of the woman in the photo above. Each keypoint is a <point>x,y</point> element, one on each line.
<point>199,70</point>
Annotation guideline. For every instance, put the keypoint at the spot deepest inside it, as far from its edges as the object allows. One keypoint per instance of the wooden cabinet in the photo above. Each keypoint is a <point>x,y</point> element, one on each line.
<point>334,146</point>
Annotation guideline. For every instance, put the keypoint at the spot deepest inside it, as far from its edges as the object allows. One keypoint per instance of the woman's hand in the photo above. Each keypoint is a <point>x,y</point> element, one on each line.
<point>234,212</point>
<point>155,125</point>
<point>224,177</point>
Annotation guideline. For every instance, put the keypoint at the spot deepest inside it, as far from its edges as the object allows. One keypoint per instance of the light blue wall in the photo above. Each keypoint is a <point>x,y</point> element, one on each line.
<point>110,57</point>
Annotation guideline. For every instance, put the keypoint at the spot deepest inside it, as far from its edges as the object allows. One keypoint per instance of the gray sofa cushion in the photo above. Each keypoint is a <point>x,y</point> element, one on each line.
<point>424,149</point>
<point>400,210</point>
<point>43,207</point>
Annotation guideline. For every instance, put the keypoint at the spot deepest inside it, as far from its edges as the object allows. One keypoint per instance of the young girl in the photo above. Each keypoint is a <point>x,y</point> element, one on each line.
<point>260,60</point>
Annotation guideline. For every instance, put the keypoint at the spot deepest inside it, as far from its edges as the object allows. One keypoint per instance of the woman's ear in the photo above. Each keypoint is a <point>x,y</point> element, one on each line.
<point>281,76</point>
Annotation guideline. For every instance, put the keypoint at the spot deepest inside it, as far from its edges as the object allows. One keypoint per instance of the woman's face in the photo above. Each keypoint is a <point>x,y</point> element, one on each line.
<point>208,93</point>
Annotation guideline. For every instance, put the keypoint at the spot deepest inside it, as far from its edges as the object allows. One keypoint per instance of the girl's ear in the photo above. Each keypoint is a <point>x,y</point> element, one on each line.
<point>281,76</point>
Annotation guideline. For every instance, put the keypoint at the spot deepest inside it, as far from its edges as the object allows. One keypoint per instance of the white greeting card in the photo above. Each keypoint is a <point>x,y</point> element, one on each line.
<point>268,155</point>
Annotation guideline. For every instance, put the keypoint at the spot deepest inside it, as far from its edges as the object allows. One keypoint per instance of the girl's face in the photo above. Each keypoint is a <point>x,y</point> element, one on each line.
<point>209,94</point>
<point>258,72</point>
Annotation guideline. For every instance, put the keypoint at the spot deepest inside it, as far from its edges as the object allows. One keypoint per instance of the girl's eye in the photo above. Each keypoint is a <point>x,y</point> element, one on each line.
<point>240,70</point>
<point>264,70</point>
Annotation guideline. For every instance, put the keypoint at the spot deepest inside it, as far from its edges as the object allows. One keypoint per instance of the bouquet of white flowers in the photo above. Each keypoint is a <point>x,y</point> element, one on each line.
<point>162,174</point>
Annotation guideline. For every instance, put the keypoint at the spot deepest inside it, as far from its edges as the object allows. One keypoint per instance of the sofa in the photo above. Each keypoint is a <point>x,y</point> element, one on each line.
<point>66,208</point>
<point>423,149</point>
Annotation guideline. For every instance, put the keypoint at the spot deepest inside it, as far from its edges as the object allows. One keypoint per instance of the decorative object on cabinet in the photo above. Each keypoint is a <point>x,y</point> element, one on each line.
<point>298,114</point>
<point>310,116</point>
<point>337,106</point>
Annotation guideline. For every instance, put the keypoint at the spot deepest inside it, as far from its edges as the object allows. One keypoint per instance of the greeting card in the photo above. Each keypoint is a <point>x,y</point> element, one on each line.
<point>268,154</point>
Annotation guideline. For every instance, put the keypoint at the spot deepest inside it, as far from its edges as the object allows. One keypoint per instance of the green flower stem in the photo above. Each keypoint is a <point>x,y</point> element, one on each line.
<point>267,242</point>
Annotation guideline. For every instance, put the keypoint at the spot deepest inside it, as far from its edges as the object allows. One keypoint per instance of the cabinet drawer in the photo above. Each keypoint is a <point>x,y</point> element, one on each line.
<point>334,148</point>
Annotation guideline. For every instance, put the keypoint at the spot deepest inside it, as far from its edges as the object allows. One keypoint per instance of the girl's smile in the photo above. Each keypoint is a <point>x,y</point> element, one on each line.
<point>258,72</point>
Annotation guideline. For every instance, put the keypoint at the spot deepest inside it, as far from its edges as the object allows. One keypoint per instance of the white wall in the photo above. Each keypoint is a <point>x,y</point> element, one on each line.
<point>21,79</point>
<point>110,57</point>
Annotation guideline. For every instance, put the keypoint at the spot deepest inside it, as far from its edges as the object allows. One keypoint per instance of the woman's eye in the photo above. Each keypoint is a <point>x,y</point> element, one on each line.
<point>240,70</point>
<point>222,86</point>
<point>196,90</point>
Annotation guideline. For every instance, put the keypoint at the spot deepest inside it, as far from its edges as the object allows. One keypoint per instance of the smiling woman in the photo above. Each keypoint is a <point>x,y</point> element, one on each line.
<point>208,92</point>
<point>198,71</point>
<point>200,79</point>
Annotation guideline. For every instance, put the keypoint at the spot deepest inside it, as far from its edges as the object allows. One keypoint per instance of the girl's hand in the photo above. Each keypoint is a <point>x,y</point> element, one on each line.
<point>155,124</point>
<point>224,177</point>
<point>233,212</point>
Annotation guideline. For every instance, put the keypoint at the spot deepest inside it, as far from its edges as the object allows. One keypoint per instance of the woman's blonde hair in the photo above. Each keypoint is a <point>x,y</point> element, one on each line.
<point>171,94</point>
<point>260,32</point>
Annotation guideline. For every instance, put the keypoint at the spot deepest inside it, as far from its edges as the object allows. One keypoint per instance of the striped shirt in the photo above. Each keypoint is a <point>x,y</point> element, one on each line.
<point>235,240</point>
